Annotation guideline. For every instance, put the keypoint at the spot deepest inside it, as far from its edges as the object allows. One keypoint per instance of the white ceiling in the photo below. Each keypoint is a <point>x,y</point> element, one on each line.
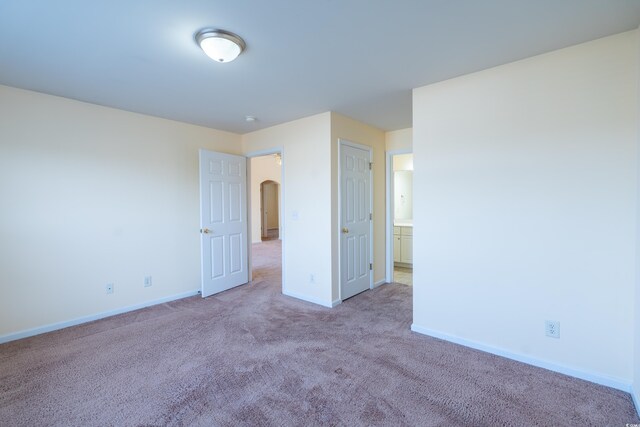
<point>360,58</point>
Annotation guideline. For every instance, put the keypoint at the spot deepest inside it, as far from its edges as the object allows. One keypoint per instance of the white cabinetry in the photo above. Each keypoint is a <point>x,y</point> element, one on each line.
<point>403,244</point>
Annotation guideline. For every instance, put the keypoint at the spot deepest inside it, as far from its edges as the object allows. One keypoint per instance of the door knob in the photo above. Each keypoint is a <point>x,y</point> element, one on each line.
<point>345,230</point>
<point>205,231</point>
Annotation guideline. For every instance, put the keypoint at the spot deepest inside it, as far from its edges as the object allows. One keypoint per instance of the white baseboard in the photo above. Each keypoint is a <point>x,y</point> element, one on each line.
<point>311,299</point>
<point>378,283</point>
<point>635,395</point>
<point>84,319</point>
<point>572,372</point>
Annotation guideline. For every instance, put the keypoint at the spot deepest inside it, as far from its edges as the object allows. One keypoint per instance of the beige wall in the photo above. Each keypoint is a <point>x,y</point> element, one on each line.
<point>306,202</point>
<point>93,195</point>
<point>528,212</point>
<point>343,127</point>
<point>399,140</point>
<point>263,168</point>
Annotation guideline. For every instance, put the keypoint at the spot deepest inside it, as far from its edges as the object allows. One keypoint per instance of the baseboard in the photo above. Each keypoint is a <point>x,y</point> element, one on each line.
<point>635,395</point>
<point>84,319</point>
<point>572,372</point>
<point>378,283</point>
<point>311,299</point>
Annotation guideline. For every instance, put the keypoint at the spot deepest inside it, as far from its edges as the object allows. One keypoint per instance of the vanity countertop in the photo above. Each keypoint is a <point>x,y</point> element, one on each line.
<point>403,223</point>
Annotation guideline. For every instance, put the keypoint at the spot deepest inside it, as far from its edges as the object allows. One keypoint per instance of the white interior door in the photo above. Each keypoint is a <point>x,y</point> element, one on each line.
<point>355,206</point>
<point>223,221</point>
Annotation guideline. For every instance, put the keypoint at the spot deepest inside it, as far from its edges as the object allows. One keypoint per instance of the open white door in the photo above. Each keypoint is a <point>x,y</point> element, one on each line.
<point>223,221</point>
<point>355,206</point>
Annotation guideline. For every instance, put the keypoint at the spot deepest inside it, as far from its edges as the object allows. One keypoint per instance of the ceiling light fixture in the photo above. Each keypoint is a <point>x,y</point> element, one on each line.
<point>220,45</point>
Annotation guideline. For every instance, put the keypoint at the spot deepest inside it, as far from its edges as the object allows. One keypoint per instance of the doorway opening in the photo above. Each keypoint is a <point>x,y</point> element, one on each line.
<point>269,210</point>
<point>265,212</point>
<point>400,217</point>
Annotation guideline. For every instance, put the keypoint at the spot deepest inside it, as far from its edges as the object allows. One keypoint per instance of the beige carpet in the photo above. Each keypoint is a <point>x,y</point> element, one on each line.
<point>251,357</point>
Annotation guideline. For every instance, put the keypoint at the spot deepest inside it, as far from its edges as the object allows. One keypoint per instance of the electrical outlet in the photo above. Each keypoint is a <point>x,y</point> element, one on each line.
<point>312,278</point>
<point>552,329</point>
<point>109,288</point>
<point>147,281</point>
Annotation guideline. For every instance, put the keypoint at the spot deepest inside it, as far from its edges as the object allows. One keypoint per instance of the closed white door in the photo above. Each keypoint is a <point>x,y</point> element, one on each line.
<point>355,193</point>
<point>223,221</point>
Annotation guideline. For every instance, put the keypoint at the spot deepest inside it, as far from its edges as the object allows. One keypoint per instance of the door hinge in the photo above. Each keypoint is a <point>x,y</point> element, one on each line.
<point>370,266</point>
<point>370,165</point>
<point>370,216</point>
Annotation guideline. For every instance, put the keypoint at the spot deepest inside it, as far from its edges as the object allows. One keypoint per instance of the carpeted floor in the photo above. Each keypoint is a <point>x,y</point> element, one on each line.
<point>251,356</point>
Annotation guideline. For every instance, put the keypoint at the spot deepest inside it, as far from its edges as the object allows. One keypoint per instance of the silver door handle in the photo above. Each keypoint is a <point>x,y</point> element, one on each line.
<point>345,230</point>
<point>205,231</point>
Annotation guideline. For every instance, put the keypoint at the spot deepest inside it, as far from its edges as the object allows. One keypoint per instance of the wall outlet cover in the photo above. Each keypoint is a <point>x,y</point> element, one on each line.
<point>552,329</point>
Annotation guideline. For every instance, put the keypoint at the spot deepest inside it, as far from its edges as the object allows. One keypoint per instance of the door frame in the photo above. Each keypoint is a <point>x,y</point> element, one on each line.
<point>281,205</point>
<point>342,142</point>
<point>389,209</point>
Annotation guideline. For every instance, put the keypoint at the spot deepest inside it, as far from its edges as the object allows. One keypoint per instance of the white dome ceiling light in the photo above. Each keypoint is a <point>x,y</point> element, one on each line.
<point>220,45</point>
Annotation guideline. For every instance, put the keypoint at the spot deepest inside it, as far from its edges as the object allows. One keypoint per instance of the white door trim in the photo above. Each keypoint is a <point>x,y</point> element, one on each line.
<point>389,209</point>
<point>281,206</point>
<point>342,142</point>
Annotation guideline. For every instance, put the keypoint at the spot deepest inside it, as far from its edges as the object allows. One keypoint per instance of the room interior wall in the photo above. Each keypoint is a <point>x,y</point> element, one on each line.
<point>399,139</point>
<point>93,195</point>
<point>527,212</point>
<point>402,165</point>
<point>343,127</point>
<point>306,202</point>
<point>263,168</point>
<point>403,196</point>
